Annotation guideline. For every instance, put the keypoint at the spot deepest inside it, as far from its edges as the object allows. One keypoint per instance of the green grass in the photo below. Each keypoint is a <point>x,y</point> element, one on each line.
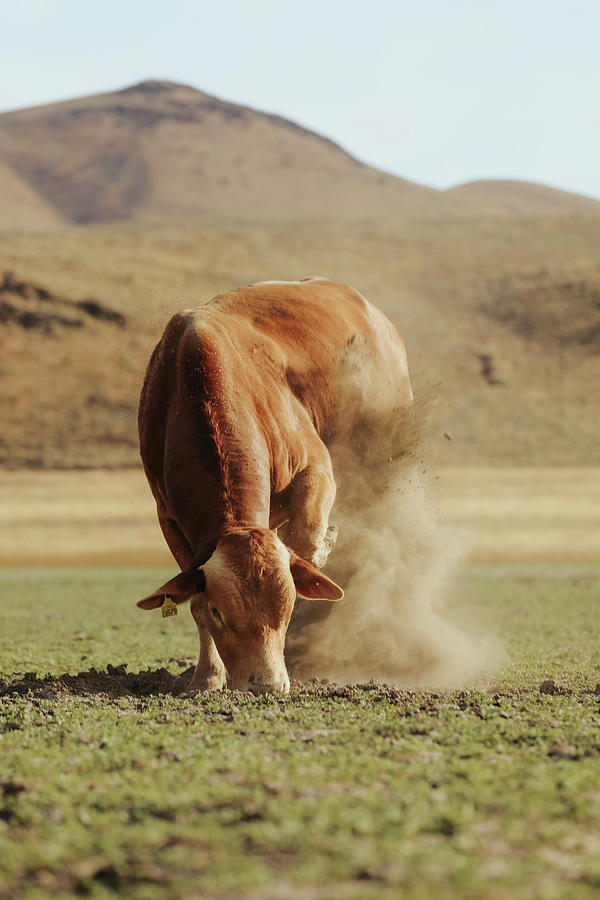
<point>110,784</point>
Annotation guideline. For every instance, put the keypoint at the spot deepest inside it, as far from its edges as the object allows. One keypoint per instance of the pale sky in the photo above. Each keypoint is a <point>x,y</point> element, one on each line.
<point>437,91</point>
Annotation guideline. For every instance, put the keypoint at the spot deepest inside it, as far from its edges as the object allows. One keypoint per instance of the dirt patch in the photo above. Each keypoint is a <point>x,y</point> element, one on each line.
<point>115,681</point>
<point>376,691</point>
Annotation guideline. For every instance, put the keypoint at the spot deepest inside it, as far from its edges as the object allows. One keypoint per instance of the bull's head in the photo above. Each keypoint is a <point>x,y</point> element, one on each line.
<point>245,594</point>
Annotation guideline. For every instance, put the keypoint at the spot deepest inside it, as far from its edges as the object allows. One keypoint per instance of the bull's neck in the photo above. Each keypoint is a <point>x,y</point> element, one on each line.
<point>243,469</point>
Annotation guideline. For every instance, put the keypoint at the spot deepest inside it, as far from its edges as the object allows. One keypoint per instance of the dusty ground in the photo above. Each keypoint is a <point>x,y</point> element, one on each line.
<point>101,517</point>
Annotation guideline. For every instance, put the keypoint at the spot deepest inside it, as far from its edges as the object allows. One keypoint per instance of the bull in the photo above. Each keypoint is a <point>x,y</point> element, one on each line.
<point>243,400</point>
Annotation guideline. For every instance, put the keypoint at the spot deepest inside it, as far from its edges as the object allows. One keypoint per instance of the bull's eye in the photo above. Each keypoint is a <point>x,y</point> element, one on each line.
<point>216,615</point>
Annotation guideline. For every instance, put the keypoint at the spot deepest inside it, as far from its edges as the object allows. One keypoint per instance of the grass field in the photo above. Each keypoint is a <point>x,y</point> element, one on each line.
<point>111,784</point>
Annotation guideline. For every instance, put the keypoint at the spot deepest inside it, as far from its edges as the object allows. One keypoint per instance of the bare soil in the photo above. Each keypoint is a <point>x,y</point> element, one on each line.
<point>113,682</point>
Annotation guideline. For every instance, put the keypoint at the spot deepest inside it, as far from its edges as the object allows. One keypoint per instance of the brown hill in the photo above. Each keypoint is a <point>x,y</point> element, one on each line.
<point>165,151</point>
<point>162,151</point>
<point>503,314</point>
<point>522,198</point>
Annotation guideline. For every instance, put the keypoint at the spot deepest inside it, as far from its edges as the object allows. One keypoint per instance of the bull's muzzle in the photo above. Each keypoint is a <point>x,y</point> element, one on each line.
<point>258,684</point>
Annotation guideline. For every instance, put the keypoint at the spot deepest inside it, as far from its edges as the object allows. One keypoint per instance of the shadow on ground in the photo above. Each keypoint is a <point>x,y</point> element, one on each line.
<point>114,682</point>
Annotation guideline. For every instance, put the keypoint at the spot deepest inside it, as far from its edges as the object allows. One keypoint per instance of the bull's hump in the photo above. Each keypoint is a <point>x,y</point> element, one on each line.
<point>307,280</point>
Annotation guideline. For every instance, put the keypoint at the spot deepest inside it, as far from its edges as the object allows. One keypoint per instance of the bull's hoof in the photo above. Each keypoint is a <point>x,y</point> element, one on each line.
<point>205,684</point>
<point>320,556</point>
<point>331,536</point>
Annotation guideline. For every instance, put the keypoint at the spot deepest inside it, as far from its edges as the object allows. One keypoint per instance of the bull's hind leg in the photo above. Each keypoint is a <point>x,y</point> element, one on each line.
<point>312,495</point>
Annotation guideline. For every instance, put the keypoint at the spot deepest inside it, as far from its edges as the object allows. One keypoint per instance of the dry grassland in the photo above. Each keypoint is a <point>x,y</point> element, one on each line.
<point>103,517</point>
<point>502,314</point>
<point>549,515</point>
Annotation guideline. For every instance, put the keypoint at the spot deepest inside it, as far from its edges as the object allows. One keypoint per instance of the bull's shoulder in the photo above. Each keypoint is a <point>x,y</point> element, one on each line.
<point>181,327</point>
<point>185,333</point>
<point>180,341</point>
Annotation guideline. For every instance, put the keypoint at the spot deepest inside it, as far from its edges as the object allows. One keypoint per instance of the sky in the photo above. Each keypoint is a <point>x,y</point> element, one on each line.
<point>436,91</point>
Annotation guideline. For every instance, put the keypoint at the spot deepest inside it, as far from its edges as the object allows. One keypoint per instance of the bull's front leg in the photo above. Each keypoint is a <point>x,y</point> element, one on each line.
<point>210,674</point>
<point>309,534</point>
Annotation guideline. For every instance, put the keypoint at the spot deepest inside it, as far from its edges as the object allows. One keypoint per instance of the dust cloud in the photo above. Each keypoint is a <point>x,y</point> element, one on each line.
<point>396,564</point>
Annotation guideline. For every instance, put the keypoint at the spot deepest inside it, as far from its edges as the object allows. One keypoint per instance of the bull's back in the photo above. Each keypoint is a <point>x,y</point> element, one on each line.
<point>340,356</point>
<point>286,357</point>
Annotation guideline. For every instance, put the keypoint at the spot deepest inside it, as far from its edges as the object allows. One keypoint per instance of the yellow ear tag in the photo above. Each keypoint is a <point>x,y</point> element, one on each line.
<point>169,607</point>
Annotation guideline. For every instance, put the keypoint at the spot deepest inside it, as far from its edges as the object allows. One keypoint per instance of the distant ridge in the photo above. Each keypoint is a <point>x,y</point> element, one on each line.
<point>523,198</point>
<point>165,151</point>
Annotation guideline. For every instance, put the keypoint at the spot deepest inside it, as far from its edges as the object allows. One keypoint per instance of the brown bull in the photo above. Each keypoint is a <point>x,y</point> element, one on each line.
<point>241,401</point>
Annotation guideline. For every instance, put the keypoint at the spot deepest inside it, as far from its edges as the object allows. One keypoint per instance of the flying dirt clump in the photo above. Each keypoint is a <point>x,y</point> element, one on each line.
<point>396,564</point>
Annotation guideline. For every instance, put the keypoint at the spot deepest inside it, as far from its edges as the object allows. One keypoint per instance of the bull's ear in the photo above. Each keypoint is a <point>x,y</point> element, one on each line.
<point>179,589</point>
<point>311,583</point>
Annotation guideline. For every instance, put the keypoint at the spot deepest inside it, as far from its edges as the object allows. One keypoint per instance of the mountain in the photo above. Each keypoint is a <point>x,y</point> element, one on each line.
<point>166,151</point>
<point>159,151</point>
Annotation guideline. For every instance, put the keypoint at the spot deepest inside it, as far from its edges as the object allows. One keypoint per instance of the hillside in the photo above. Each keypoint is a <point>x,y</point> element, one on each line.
<point>22,207</point>
<point>165,151</point>
<point>503,315</point>
<point>522,198</point>
<point>159,151</point>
